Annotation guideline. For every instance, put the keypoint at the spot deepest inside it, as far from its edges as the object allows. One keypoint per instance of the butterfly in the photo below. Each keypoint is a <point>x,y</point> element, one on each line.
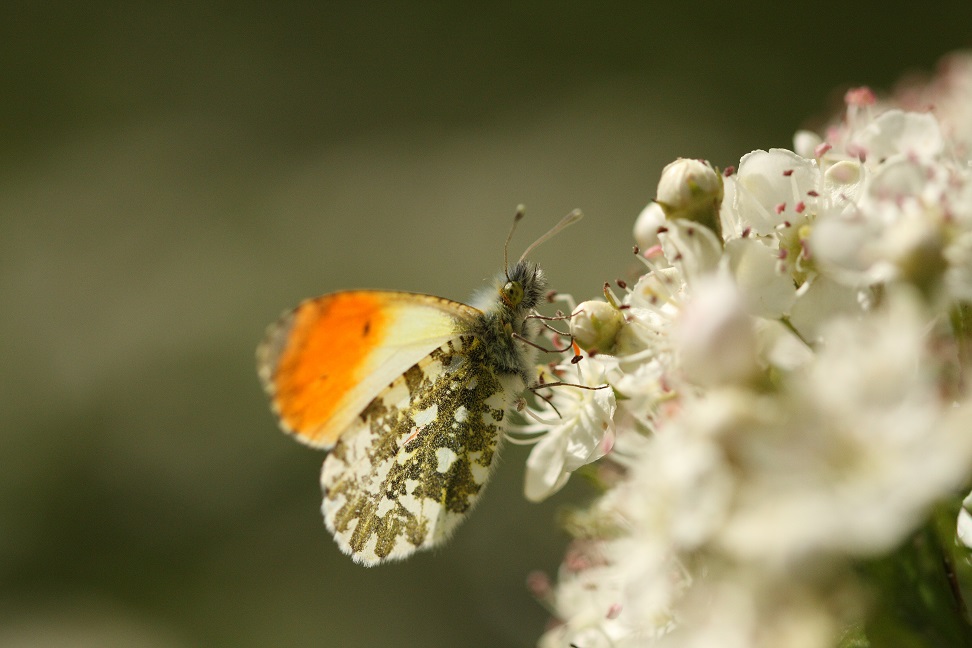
<point>410,394</point>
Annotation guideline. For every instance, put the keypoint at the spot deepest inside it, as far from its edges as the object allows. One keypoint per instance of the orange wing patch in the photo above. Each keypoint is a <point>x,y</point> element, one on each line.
<point>323,362</point>
<point>326,351</point>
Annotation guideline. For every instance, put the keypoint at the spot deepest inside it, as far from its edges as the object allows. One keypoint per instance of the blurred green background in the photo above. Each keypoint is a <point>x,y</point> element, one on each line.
<point>173,176</point>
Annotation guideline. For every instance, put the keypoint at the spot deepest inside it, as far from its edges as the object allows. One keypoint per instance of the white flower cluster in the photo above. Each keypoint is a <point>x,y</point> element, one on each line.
<point>789,385</point>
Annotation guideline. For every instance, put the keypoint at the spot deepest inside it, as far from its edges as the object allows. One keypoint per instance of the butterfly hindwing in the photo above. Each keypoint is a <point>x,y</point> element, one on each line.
<point>412,463</point>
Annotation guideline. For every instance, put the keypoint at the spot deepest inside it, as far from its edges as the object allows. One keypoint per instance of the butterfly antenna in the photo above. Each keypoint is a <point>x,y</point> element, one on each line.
<point>569,219</point>
<point>517,217</point>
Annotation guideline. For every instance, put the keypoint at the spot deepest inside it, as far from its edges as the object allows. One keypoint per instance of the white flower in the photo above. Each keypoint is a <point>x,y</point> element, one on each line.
<point>820,300</point>
<point>642,388</point>
<point>754,265</point>
<point>848,458</point>
<point>612,593</point>
<point>695,250</point>
<point>714,336</point>
<point>681,487</point>
<point>746,609</point>
<point>950,93</point>
<point>896,132</point>
<point>963,526</point>
<point>768,188</point>
<point>650,307</point>
<point>768,213</point>
<point>910,226</point>
<point>793,393</point>
<point>579,427</point>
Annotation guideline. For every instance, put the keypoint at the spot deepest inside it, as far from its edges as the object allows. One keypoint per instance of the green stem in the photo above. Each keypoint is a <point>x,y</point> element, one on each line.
<point>960,318</point>
<point>919,603</point>
<point>789,325</point>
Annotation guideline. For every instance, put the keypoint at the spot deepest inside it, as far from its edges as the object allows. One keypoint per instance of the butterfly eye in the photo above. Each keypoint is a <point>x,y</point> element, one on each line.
<point>512,293</point>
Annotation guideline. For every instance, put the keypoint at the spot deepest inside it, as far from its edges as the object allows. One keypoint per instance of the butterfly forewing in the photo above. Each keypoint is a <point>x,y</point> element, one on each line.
<point>323,362</point>
<point>414,460</point>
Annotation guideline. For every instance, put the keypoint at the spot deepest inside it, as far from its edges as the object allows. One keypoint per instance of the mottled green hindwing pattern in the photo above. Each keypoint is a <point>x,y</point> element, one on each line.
<point>414,461</point>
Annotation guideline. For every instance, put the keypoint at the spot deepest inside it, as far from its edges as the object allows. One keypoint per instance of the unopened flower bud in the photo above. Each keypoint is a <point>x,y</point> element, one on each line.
<point>691,190</point>
<point>646,226</point>
<point>595,325</point>
<point>805,143</point>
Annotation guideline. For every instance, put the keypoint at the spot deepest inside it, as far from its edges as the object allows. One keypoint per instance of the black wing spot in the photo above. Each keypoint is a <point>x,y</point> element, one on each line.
<point>367,329</point>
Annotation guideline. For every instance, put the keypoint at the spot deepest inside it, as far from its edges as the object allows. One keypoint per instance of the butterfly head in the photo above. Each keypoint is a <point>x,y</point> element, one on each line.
<point>523,288</point>
<point>524,283</point>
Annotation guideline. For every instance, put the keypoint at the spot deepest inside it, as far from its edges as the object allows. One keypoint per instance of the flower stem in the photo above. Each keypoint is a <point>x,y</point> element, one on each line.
<point>919,602</point>
<point>960,317</point>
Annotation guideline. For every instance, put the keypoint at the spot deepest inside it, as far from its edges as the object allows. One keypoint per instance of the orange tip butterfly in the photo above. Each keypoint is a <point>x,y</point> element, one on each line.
<point>410,394</point>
